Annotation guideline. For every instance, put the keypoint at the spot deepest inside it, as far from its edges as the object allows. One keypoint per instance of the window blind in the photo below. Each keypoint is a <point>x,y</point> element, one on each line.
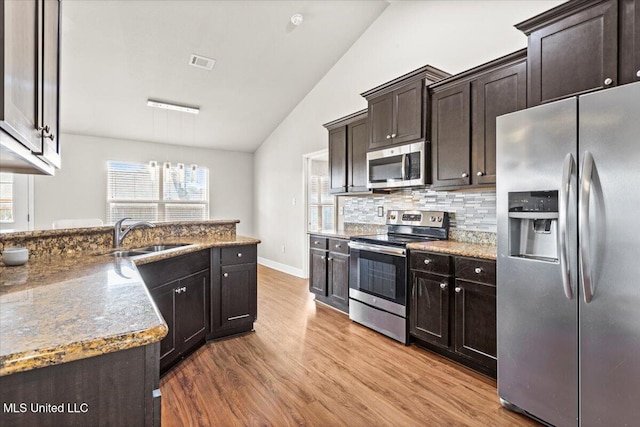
<point>146,193</point>
<point>6,197</point>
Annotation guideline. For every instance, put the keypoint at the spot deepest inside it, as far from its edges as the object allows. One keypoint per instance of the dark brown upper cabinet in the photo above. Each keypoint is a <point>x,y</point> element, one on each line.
<point>582,46</point>
<point>397,108</point>
<point>348,154</point>
<point>29,104</point>
<point>463,120</point>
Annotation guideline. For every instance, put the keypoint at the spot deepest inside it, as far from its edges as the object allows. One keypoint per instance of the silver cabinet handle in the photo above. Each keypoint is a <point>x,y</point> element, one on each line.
<point>458,289</point>
<point>464,174</point>
<point>427,261</point>
<point>480,173</point>
<point>478,270</point>
<point>583,223</point>
<point>608,81</point>
<point>563,235</point>
<point>226,274</point>
<point>388,136</point>
<point>393,135</point>
<point>239,254</point>
<point>443,286</point>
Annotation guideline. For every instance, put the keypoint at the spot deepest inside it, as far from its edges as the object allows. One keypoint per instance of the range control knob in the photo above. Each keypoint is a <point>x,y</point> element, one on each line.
<point>433,219</point>
<point>439,219</point>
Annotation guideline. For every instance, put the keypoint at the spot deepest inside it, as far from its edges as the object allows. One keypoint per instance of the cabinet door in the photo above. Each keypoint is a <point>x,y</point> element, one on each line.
<point>238,296</point>
<point>357,155</point>
<point>497,93</point>
<point>49,83</point>
<point>629,45</point>
<point>338,160</point>
<point>19,112</point>
<point>164,297</point>
<point>429,309</point>
<point>407,113</point>
<point>338,281</point>
<point>574,55</point>
<point>475,322</point>
<point>380,121</point>
<point>192,310</point>
<point>318,268</point>
<point>451,142</point>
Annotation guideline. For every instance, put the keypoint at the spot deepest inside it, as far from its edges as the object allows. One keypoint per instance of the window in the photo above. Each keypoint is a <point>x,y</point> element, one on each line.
<point>7,213</point>
<point>147,193</point>
<point>320,203</point>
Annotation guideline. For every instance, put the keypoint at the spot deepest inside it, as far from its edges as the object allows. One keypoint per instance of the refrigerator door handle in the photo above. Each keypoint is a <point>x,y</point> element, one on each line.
<point>563,235</point>
<point>583,223</point>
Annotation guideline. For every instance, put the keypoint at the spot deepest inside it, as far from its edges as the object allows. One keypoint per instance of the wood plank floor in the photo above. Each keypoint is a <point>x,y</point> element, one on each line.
<point>309,365</point>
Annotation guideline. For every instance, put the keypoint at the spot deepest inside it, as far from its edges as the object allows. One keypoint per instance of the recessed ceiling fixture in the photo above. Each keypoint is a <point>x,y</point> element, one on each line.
<point>199,61</point>
<point>174,107</point>
<point>296,19</point>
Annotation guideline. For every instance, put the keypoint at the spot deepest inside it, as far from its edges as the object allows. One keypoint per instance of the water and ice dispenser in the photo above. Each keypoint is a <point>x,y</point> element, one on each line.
<point>533,225</point>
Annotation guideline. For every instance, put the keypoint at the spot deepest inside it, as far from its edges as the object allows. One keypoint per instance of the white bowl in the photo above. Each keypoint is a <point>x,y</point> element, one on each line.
<point>15,255</point>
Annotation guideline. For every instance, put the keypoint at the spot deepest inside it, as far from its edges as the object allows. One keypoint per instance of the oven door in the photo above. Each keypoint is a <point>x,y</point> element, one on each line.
<point>378,276</point>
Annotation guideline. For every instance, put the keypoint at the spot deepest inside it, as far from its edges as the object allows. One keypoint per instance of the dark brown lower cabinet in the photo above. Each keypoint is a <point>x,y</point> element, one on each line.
<point>183,305</point>
<point>329,271</point>
<point>457,321</point>
<point>234,297</point>
<point>475,320</point>
<point>114,389</point>
<point>429,308</point>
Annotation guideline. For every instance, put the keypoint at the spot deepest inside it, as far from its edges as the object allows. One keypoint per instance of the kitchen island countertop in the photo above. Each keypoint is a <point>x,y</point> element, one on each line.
<point>59,309</point>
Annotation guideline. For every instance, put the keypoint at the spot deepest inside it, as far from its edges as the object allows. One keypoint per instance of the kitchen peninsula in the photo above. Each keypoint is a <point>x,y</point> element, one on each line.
<point>78,326</point>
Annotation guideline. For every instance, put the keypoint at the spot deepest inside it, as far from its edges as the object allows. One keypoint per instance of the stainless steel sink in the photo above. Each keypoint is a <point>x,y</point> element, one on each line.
<point>158,248</point>
<point>146,250</point>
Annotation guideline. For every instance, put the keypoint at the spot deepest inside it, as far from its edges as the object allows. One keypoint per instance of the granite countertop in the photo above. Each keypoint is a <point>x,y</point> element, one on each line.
<point>59,309</point>
<point>453,247</point>
<point>339,234</point>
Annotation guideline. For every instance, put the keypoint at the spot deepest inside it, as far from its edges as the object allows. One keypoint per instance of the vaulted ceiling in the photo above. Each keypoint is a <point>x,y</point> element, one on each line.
<point>115,55</point>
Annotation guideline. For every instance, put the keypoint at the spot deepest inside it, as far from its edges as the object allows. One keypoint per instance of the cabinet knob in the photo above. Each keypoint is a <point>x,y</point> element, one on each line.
<point>315,242</point>
<point>478,270</point>
<point>388,136</point>
<point>239,254</point>
<point>458,289</point>
<point>184,289</point>
<point>480,173</point>
<point>338,246</point>
<point>464,174</point>
<point>638,73</point>
<point>393,135</point>
<point>443,286</point>
<point>427,261</point>
<point>608,81</point>
<point>322,257</point>
<point>226,274</point>
<point>329,259</point>
<point>177,290</point>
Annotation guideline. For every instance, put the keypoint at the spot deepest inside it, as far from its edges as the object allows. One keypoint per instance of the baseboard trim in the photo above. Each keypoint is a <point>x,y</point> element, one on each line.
<point>281,267</point>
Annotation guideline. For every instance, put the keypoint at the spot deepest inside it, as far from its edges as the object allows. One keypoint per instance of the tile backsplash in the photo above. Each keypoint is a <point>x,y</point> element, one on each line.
<point>468,210</point>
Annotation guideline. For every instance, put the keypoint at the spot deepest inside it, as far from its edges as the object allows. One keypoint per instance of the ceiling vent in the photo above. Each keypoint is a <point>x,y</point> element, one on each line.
<point>202,62</point>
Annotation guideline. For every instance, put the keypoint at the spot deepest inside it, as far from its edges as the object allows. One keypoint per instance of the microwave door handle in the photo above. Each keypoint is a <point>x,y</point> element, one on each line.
<point>404,167</point>
<point>407,173</point>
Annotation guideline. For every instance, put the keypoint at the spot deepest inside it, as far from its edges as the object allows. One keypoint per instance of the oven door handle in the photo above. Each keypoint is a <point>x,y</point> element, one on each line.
<point>387,250</point>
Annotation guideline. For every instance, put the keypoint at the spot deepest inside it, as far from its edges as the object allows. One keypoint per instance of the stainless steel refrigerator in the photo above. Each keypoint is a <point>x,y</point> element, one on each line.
<point>568,284</point>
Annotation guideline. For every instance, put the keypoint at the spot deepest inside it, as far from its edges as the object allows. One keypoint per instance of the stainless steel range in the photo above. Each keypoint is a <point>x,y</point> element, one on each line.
<point>378,270</point>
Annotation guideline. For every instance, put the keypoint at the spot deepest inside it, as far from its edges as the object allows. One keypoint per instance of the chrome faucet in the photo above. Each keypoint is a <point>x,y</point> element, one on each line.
<point>119,235</point>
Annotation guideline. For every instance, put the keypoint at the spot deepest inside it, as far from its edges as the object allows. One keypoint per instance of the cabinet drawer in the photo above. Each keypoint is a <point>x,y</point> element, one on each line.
<point>317,242</point>
<point>238,255</point>
<point>427,261</point>
<point>158,273</point>
<point>339,246</point>
<point>476,270</point>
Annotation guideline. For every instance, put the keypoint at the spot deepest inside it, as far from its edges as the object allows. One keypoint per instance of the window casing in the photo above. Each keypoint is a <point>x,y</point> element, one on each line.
<point>145,193</point>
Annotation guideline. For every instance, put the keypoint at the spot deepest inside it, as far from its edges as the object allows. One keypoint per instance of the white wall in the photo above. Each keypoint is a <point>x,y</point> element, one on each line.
<point>79,188</point>
<point>450,35</point>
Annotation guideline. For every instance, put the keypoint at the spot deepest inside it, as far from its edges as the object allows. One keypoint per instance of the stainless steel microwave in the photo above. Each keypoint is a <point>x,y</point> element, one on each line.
<point>401,166</point>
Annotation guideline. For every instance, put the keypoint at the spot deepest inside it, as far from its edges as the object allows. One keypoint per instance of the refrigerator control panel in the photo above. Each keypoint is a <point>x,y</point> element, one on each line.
<point>533,201</point>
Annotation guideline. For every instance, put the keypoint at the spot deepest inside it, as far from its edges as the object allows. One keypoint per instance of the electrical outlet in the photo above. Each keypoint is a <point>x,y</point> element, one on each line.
<point>283,249</point>
<point>380,210</point>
